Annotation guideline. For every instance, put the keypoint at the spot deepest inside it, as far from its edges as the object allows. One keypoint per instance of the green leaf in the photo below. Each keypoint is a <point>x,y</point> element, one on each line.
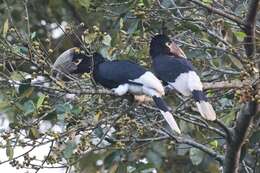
<point>17,75</point>
<point>147,3</point>
<point>76,111</point>
<point>154,158</point>
<point>99,132</point>
<point>9,150</point>
<point>5,28</point>
<point>87,162</point>
<point>182,149</point>
<point>228,118</point>
<point>121,168</point>
<point>4,104</point>
<point>143,167</point>
<point>121,23</point>
<point>28,107</point>
<point>23,50</point>
<point>133,26</point>
<point>90,38</point>
<point>68,151</point>
<point>240,35</point>
<point>33,35</point>
<point>40,101</point>
<point>196,156</point>
<point>85,3</point>
<point>33,133</point>
<point>255,137</point>
<point>193,27</point>
<point>159,148</point>
<point>236,62</point>
<point>51,116</point>
<point>214,143</point>
<point>24,87</point>
<point>63,108</point>
<point>207,2</point>
<point>113,157</point>
<point>166,3</point>
<point>213,168</point>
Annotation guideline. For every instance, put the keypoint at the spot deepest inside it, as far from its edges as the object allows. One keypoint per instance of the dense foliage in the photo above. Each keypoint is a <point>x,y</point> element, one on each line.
<point>97,131</point>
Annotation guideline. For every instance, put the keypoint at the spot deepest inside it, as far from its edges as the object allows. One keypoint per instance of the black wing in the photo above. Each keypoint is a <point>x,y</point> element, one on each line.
<point>168,68</point>
<point>114,73</point>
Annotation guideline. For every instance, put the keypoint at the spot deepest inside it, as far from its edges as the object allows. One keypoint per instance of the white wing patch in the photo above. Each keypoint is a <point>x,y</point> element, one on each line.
<point>150,82</point>
<point>194,82</point>
<point>171,121</point>
<point>206,110</point>
<point>151,86</point>
<point>180,84</point>
<point>121,89</point>
<point>186,83</point>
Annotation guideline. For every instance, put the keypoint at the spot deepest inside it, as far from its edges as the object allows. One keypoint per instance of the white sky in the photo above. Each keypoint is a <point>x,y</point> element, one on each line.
<point>38,152</point>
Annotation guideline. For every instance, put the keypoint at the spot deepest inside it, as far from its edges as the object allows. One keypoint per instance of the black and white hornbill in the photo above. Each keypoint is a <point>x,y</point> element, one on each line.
<point>121,76</point>
<point>70,62</point>
<point>177,73</point>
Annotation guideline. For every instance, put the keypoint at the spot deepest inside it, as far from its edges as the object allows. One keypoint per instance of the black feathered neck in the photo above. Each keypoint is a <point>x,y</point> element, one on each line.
<point>98,59</point>
<point>89,63</point>
<point>157,45</point>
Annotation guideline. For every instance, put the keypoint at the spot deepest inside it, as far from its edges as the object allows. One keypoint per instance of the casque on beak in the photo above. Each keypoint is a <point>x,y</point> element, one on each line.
<point>175,49</point>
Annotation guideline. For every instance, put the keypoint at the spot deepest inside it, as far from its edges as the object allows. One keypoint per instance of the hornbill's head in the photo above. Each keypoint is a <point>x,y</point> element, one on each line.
<point>159,46</point>
<point>74,61</point>
<point>162,44</point>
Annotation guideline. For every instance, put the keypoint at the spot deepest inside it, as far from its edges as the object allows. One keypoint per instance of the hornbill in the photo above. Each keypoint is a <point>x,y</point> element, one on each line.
<point>177,73</point>
<point>70,62</point>
<point>121,76</point>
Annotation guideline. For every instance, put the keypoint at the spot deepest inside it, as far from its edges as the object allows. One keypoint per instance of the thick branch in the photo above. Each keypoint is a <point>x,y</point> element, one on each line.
<point>240,132</point>
<point>249,29</point>
<point>219,12</point>
<point>249,111</point>
<point>197,145</point>
<point>226,129</point>
<point>227,84</point>
<point>207,150</point>
<point>90,90</point>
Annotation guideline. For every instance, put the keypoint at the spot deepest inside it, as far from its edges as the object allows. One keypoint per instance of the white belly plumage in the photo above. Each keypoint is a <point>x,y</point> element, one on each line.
<point>186,83</point>
<point>151,86</point>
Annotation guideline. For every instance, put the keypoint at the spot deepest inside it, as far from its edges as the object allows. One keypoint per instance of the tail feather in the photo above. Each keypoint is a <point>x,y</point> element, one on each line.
<point>205,108</point>
<point>160,103</point>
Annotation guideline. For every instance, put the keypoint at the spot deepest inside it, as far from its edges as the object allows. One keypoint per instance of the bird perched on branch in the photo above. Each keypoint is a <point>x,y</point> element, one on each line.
<point>70,62</point>
<point>171,66</point>
<point>121,76</point>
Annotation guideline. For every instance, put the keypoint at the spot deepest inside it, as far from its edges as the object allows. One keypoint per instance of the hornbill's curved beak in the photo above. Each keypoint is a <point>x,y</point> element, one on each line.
<point>175,49</point>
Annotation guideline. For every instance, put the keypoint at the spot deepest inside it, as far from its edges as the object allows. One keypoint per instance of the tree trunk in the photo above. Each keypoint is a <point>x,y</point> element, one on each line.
<point>250,110</point>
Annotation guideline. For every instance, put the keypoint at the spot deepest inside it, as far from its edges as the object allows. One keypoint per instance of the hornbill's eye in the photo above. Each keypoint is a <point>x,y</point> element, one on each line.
<point>77,61</point>
<point>168,44</point>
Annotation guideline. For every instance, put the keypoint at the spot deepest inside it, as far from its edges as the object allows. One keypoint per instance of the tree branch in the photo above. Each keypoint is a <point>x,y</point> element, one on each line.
<point>227,130</point>
<point>250,45</point>
<point>197,145</point>
<point>250,110</point>
<point>227,84</point>
<point>219,12</point>
<point>239,135</point>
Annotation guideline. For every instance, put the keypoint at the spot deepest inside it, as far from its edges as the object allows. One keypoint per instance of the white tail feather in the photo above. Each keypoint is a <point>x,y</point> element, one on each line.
<point>171,121</point>
<point>206,110</point>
